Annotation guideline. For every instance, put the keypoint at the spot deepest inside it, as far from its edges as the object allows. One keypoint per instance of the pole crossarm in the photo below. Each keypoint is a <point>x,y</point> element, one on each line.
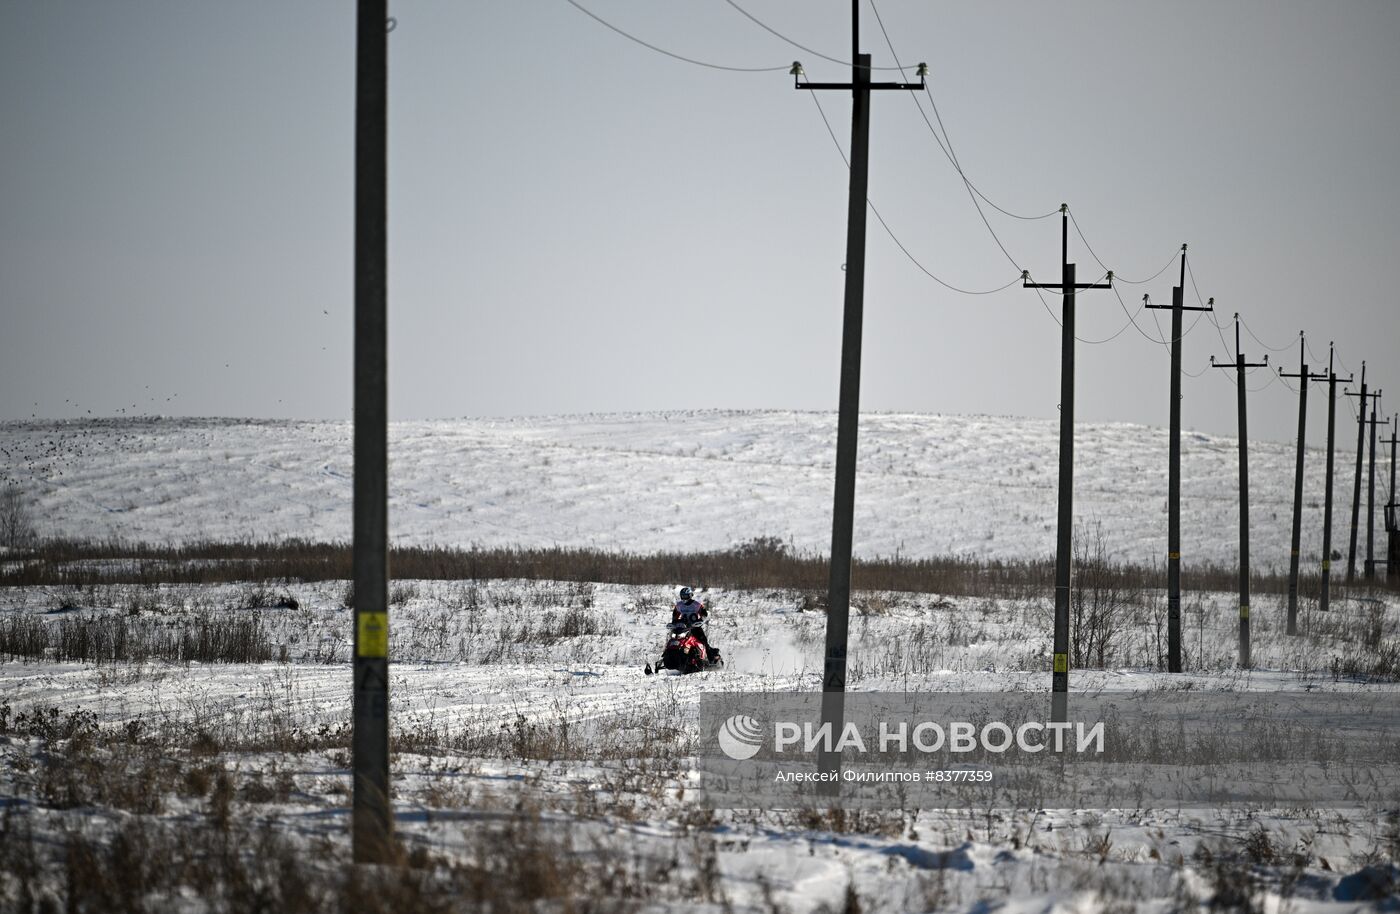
<point>797,73</point>
<point>874,87</point>
<point>1313,376</point>
<point>1233,365</point>
<point>1147,303</point>
<point>1334,379</point>
<point>1027,284</point>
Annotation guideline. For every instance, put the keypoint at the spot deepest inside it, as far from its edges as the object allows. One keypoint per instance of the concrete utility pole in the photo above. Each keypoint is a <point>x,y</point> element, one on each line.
<point>1369,572</point>
<point>1293,557</point>
<point>1392,516</point>
<point>1174,474</point>
<point>843,503</point>
<point>1325,596</point>
<point>1240,365</point>
<point>1356,491</point>
<point>371,819</point>
<point>1059,667</point>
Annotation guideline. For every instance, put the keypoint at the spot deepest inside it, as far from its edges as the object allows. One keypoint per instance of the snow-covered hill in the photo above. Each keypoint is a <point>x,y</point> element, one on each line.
<point>927,484</point>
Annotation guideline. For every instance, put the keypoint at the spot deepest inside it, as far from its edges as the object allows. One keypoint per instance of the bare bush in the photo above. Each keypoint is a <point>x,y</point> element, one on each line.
<point>204,638</point>
<point>1100,599</point>
<point>16,519</point>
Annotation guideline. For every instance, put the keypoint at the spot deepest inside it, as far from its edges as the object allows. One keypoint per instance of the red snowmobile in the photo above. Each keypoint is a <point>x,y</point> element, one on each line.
<point>686,651</point>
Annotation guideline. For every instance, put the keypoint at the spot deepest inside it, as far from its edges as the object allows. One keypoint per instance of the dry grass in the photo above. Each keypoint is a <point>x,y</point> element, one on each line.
<point>763,563</point>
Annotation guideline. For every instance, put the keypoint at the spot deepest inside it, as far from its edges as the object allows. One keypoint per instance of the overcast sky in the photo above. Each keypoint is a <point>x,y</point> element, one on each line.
<point>578,223</point>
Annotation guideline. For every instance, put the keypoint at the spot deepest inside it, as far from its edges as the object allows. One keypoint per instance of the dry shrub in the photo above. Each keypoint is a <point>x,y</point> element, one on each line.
<point>205,637</point>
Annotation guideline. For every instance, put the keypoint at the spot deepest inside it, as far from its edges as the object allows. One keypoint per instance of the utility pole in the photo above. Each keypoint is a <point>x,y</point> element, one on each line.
<point>1174,474</point>
<point>371,819</point>
<point>1369,572</point>
<point>1293,558</point>
<point>1356,491</point>
<point>1392,517</point>
<point>1326,591</point>
<point>843,502</point>
<point>1067,287</point>
<point>1240,365</point>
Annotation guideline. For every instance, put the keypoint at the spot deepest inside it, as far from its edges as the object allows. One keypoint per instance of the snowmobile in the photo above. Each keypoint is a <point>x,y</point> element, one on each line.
<point>686,651</point>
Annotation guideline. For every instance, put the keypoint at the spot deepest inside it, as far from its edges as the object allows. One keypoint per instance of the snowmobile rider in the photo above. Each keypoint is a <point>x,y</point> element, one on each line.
<point>692,612</point>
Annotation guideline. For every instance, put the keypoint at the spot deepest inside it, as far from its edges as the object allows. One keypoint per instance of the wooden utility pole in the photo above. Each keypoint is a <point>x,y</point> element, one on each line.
<point>843,502</point>
<point>371,819</point>
<point>1356,489</point>
<point>1293,558</point>
<point>1242,390</point>
<point>1174,473</point>
<point>1067,287</point>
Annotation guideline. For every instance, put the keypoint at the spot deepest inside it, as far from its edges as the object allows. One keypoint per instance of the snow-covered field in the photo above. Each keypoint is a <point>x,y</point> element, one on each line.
<point>498,709</point>
<point>534,763</point>
<point>927,485</point>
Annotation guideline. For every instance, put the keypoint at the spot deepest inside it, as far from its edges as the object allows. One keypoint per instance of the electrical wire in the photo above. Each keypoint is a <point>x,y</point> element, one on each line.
<point>1131,282</point>
<point>1253,390</point>
<point>1131,323</point>
<point>945,143</point>
<point>957,166</point>
<point>1160,339</point>
<point>881,219</point>
<point>691,60</point>
<point>952,157</point>
<point>1312,354</point>
<point>1261,342</point>
<point>948,150</point>
<point>772,31</point>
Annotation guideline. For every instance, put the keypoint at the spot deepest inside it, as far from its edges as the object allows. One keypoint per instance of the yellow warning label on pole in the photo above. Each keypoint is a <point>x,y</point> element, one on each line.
<point>1174,555</point>
<point>1061,663</point>
<point>1326,565</point>
<point>373,634</point>
<point>1244,610</point>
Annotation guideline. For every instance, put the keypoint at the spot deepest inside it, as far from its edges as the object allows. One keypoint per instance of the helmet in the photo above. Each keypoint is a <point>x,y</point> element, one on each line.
<point>686,593</point>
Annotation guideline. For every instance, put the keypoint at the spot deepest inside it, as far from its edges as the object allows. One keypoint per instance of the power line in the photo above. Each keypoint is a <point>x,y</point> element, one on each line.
<point>949,153</point>
<point>952,157</point>
<point>772,31</point>
<point>1311,354</point>
<point>1131,317</point>
<point>1261,342</point>
<point>881,219</point>
<point>1131,282</point>
<point>699,63</point>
